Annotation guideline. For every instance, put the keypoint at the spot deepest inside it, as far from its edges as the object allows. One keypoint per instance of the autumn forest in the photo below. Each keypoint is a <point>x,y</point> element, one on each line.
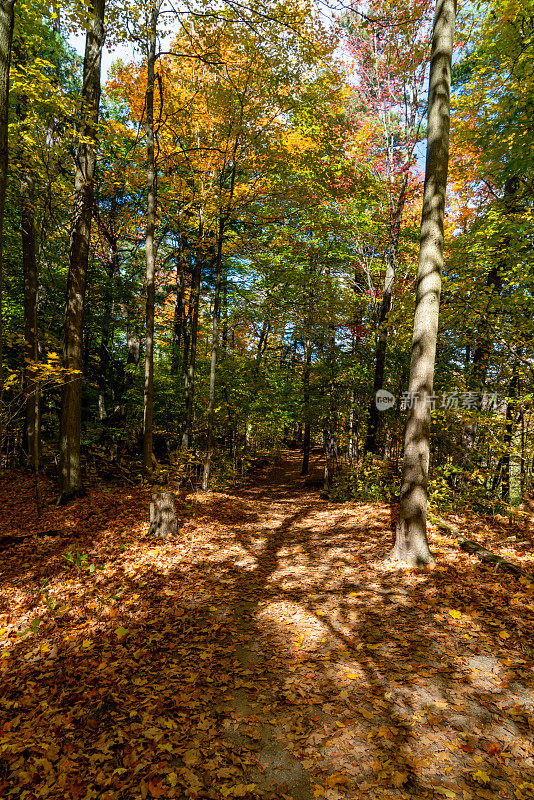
<point>266,399</point>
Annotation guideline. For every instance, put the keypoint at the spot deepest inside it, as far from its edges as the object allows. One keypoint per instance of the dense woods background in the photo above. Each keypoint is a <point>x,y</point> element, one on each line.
<point>266,313</point>
<point>234,216</point>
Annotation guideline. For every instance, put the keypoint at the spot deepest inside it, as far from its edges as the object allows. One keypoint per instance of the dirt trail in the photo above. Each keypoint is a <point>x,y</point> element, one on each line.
<point>381,685</point>
<point>270,653</point>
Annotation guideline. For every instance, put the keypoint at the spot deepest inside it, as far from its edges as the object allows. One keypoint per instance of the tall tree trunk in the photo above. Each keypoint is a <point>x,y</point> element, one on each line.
<point>31,288</point>
<point>353,413</point>
<point>371,444</point>
<point>71,400</point>
<point>187,438</point>
<point>330,430</point>
<point>523,462</point>
<point>7,16</point>
<point>178,320</point>
<point>224,337</point>
<point>188,322</point>
<point>106,334</point>
<point>150,246</point>
<point>213,362</point>
<point>411,542</point>
<point>307,422</point>
<point>508,437</point>
<point>353,430</point>
<point>262,344</point>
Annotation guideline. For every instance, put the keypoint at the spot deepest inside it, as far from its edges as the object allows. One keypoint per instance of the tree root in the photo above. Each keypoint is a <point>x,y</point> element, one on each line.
<point>481,552</point>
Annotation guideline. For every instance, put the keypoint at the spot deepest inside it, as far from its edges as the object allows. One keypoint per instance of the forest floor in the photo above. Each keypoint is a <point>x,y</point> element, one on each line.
<point>269,652</point>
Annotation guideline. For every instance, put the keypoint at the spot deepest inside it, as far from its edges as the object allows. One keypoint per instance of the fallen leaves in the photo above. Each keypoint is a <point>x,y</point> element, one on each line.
<point>481,777</point>
<point>187,673</point>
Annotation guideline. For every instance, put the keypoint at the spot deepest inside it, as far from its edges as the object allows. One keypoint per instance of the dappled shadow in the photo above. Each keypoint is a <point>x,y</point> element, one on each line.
<point>272,651</point>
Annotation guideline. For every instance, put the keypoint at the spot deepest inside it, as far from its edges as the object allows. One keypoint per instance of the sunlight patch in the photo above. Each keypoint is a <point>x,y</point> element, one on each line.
<point>301,628</point>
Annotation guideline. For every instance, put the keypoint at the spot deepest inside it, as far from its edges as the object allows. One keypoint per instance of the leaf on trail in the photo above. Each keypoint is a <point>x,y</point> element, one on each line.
<point>155,788</point>
<point>455,614</point>
<point>399,779</point>
<point>481,777</point>
<point>504,634</point>
<point>172,777</point>
<point>447,792</point>
<point>86,644</point>
<point>337,779</point>
<point>240,790</point>
<point>525,791</point>
<point>191,757</point>
<point>121,632</point>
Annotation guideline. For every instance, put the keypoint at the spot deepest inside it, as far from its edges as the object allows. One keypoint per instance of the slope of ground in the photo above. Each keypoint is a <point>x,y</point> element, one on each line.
<point>268,652</point>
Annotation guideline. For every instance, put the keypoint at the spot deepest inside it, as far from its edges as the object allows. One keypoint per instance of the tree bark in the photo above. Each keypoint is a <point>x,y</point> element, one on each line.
<point>353,430</point>
<point>150,246</point>
<point>508,436</point>
<point>411,544</point>
<point>178,320</point>
<point>31,288</point>
<point>262,344</point>
<point>106,334</point>
<point>330,430</point>
<point>187,437</point>
<point>163,516</point>
<point>7,17</point>
<point>213,362</point>
<point>371,445</point>
<point>307,422</point>
<point>224,337</point>
<point>71,400</point>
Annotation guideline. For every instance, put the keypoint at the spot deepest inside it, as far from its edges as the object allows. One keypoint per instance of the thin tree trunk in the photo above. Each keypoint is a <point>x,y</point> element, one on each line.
<point>7,16</point>
<point>213,362</point>
<point>522,470</point>
<point>106,335</point>
<point>31,288</point>
<point>330,431</point>
<point>178,320</point>
<point>353,430</point>
<point>306,390</point>
<point>411,544</point>
<point>188,322</point>
<point>262,343</point>
<point>187,437</point>
<point>224,337</point>
<point>353,415</point>
<point>371,444</point>
<point>71,400</point>
<point>508,437</point>
<point>150,247</point>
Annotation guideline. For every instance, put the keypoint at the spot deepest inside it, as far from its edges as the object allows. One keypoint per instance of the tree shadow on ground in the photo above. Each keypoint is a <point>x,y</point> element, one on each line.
<point>268,661</point>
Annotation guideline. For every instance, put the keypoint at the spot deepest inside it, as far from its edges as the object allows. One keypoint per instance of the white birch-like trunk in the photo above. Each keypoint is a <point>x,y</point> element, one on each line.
<point>411,544</point>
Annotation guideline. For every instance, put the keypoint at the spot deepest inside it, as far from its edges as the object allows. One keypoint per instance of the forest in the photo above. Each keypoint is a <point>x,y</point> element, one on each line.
<point>266,399</point>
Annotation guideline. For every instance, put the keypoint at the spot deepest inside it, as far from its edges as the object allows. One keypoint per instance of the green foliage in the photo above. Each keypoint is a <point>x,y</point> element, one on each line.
<point>370,482</point>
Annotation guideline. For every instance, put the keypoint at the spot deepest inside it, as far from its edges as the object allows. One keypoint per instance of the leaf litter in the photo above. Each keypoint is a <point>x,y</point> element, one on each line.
<point>268,652</point>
